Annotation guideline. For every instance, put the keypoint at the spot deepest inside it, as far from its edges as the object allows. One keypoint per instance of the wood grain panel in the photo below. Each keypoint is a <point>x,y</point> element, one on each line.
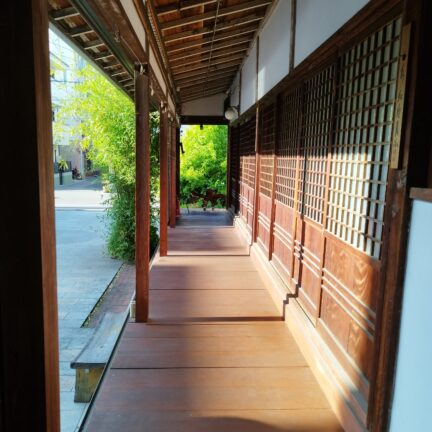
<point>348,311</point>
<point>264,221</point>
<point>309,287</point>
<point>282,256</point>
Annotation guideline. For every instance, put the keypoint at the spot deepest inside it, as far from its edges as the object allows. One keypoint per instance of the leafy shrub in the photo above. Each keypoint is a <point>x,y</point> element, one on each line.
<point>105,118</point>
<point>203,165</point>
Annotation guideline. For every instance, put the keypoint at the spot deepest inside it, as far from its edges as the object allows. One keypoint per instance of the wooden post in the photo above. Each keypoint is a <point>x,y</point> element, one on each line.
<point>228,171</point>
<point>163,162</point>
<point>277,121</point>
<point>142,194</point>
<point>257,174</point>
<point>173,186</point>
<point>29,386</point>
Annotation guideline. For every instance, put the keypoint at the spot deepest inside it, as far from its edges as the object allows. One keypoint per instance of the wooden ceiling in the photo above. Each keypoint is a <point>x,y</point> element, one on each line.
<point>201,43</point>
<point>93,40</point>
<point>205,41</point>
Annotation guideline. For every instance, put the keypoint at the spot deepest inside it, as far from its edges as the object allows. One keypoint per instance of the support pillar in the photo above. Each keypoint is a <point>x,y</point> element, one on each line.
<point>163,162</point>
<point>173,186</point>
<point>142,195</point>
<point>29,368</point>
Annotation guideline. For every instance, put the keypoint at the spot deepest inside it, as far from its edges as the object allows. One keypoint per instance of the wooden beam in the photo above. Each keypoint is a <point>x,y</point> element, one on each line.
<point>213,48</point>
<point>204,92</point>
<point>247,5</point>
<point>93,44</point>
<point>61,14</point>
<point>216,62</point>
<point>181,6</point>
<point>194,97</point>
<point>212,69</point>
<point>205,86</point>
<point>219,27</point>
<point>207,120</point>
<point>196,78</point>
<point>199,42</point>
<point>173,182</point>
<point>227,79</point>
<point>103,55</point>
<point>79,31</point>
<point>218,55</point>
<point>142,196</point>
<point>163,164</point>
<point>29,352</point>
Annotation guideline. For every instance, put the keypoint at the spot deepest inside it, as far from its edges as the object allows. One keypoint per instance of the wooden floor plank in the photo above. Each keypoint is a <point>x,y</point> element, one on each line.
<point>215,356</point>
<point>211,305</point>
<point>244,329</point>
<point>307,420</point>
<point>211,389</point>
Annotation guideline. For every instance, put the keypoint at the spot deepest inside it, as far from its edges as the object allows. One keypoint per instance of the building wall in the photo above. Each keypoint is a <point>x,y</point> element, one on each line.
<point>235,91</point>
<point>208,106</point>
<point>412,403</point>
<point>248,83</point>
<point>317,20</point>
<point>274,48</point>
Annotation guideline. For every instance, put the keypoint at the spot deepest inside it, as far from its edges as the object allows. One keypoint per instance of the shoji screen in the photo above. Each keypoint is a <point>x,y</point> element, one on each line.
<point>266,167</point>
<point>247,171</point>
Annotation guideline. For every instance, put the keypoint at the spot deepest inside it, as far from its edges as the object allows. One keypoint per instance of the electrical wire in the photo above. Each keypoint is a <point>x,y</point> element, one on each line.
<point>211,46</point>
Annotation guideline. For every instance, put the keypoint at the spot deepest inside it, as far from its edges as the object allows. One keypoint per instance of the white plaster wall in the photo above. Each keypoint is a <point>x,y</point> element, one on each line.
<point>248,81</point>
<point>274,48</point>
<point>208,106</point>
<point>235,91</point>
<point>412,403</point>
<point>317,20</point>
<point>156,70</point>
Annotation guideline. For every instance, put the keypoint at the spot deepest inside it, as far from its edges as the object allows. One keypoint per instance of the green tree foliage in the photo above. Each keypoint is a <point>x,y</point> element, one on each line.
<point>203,165</point>
<point>105,118</point>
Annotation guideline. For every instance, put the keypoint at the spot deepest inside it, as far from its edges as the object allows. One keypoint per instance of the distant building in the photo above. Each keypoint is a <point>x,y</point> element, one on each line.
<point>65,65</point>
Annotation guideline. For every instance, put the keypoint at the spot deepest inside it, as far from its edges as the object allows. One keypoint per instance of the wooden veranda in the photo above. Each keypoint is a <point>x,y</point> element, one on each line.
<point>329,143</point>
<point>214,355</point>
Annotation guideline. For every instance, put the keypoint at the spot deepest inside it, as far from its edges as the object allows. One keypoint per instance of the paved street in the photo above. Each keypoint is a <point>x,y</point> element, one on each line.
<point>83,273</point>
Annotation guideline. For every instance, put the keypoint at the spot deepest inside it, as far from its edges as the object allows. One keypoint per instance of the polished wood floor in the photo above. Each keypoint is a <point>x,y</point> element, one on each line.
<point>215,356</point>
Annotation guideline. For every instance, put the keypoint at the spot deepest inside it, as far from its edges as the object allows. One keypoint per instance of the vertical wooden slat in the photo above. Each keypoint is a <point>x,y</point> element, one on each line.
<point>414,130</point>
<point>173,186</point>
<point>296,213</point>
<point>142,195</point>
<point>257,173</point>
<point>163,162</point>
<point>273,195</point>
<point>47,217</point>
<point>228,172</point>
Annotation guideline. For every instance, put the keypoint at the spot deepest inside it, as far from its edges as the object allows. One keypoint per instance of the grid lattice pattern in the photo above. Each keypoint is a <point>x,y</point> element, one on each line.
<point>247,153</point>
<point>267,148</point>
<point>289,134</point>
<point>360,158</point>
<point>234,160</point>
<point>317,121</point>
